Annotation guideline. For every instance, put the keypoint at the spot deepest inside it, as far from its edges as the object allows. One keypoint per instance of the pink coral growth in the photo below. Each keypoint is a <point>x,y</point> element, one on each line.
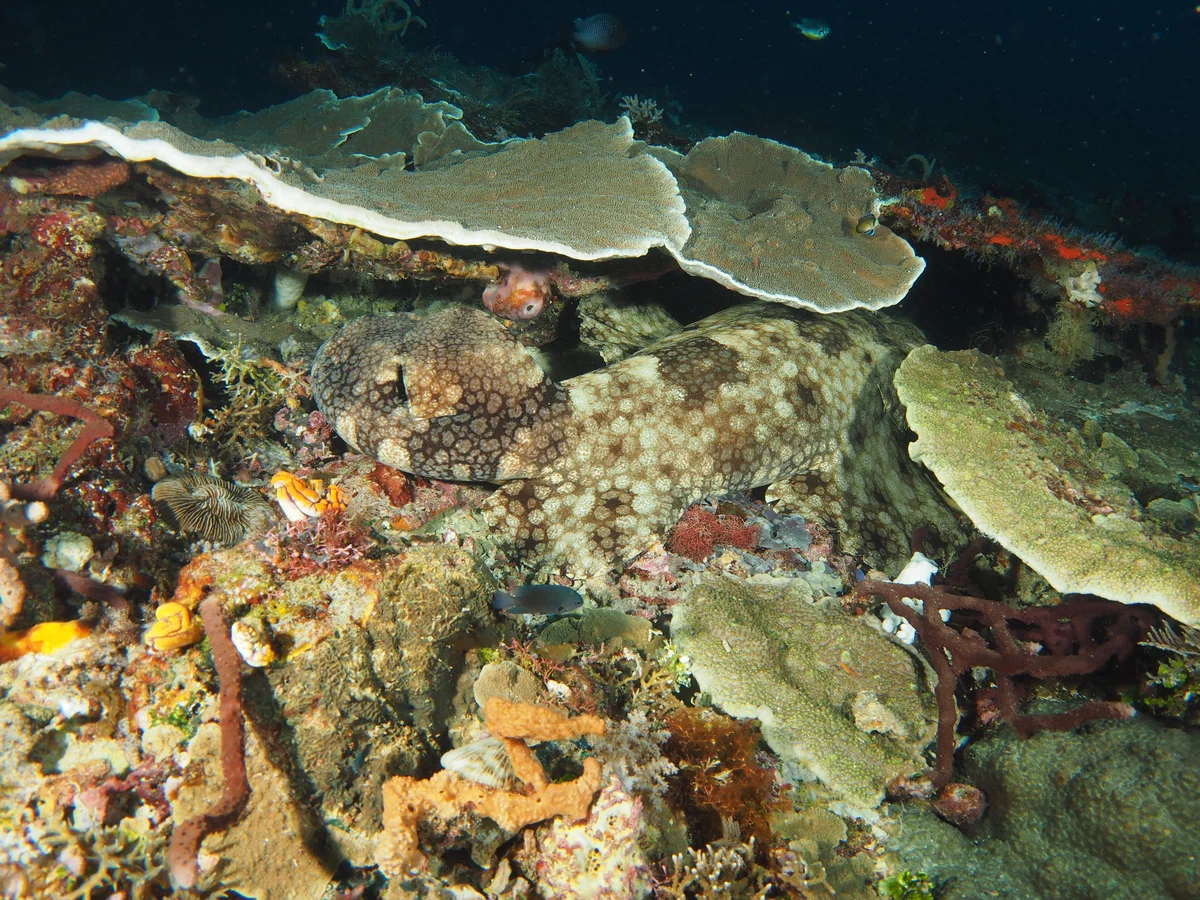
<point>701,529</point>
<point>520,294</point>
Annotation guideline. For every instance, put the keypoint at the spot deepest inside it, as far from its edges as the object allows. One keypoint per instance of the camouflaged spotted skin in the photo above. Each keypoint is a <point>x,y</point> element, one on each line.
<point>445,395</point>
<point>600,467</point>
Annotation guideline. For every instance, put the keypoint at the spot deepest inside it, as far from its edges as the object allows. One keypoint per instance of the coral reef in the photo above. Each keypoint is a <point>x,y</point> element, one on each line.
<point>1063,262</point>
<point>169,292</point>
<point>1071,639</point>
<point>552,194</point>
<point>803,678</point>
<point>408,801</point>
<point>1103,812</point>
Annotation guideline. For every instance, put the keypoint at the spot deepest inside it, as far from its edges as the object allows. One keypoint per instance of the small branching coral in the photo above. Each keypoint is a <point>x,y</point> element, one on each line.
<point>644,115</point>
<point>253,388</point>
<point>717,871</point>
<point>108,861</point>
<point>1174,687</point>
<point>701,530</point>
<point>327,542</point>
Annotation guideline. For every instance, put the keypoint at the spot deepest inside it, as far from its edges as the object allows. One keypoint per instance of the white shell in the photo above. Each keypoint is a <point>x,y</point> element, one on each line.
<point>289,288</point>
<point>484,761</point>
<point>252,643</point>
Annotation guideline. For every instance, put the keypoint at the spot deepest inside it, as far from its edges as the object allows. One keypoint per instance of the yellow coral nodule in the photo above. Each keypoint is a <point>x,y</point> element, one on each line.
<point>44,638</point>
<point>174,628</point>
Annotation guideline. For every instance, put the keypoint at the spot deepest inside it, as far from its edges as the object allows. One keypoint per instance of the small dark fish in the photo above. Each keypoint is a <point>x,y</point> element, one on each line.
<point>537,600</point>
<point>866,225</point>
<point>599,33</point>
<point>813,29</point>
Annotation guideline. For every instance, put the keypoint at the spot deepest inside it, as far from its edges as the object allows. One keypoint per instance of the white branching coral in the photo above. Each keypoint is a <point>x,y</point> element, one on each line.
<point>1082,288</point>
<point>645,113</point>
<point>631,751</point>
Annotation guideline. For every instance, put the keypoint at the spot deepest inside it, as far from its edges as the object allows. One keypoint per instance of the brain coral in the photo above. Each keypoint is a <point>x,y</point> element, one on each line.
<point>1032,485</point>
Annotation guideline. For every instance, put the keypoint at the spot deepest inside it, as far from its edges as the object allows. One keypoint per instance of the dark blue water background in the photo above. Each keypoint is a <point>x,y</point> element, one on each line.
<point>1086,98</point>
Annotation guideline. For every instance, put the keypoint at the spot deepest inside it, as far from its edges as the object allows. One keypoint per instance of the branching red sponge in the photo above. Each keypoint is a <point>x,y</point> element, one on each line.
<point>95,427</point>
<point>184,847</point>
<point>1074,638</point>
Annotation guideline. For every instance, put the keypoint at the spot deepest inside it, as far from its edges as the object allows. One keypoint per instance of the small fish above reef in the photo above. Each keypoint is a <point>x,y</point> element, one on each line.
<point>599,33</point>
<point>813,29</point>
<point>537,600</point>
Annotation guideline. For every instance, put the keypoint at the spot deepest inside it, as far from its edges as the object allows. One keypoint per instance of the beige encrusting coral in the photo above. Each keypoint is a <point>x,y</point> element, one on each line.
<point>607,462</point>
<point>1035,487</point>
<point>837,698</point>
<point>760,217</point>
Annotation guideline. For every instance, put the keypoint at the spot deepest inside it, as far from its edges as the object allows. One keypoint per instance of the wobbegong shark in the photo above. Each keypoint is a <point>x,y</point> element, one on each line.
<point>592,471</point>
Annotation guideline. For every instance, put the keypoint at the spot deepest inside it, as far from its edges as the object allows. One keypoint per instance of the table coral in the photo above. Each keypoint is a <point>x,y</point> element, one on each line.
<point>1032,484</point>
<point>604,463</point>
<point>756,216</point>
